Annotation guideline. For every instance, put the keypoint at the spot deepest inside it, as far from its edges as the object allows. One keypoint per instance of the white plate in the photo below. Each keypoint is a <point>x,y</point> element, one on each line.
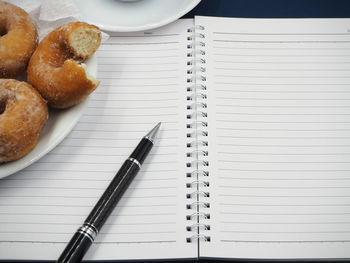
<point>120,16</point>
<point>60,123</point>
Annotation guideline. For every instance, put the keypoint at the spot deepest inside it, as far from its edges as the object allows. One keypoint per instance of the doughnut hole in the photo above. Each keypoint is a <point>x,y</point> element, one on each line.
<point>3,102</point>
<point>23,116</point>
<point>3,23</point>
<point>18,40</point>
<point>3,31</point>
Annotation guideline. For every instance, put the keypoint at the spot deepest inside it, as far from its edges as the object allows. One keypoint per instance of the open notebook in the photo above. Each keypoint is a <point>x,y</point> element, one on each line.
<point>253,159</point>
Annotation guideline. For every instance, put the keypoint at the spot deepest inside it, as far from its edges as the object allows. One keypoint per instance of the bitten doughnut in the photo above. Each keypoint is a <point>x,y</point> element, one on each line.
<point>23,114</point>
<point>55,69</point>
<point>18,40</point>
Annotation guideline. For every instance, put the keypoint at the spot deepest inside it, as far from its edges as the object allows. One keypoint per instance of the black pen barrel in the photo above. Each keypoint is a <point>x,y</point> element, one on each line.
<point>85,235</point>
<point>76,249</point>
<point>141,151</point>
<point>83,238</point>
<point>112,194</point>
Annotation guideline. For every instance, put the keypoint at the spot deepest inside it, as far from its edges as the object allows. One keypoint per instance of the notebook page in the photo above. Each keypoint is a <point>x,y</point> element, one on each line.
<point>143,82</point>
<point>279,147</point>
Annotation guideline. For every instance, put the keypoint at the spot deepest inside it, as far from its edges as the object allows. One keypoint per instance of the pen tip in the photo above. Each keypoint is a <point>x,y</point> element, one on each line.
<point>152,134</point>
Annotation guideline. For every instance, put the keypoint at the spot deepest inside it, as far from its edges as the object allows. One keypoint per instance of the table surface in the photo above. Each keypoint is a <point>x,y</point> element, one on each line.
<point>272,9</point>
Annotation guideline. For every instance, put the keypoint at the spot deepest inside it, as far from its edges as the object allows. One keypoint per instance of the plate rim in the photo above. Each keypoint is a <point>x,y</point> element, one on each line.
<point>78,110</point>
<point>149,26</point>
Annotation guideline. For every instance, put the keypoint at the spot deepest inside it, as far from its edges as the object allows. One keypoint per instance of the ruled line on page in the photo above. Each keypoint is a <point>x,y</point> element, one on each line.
<point>281,33</point>
<point>285,241</point>
<point>288,232</point>
<point>281,77</point>
<point>281,48</point>
<point>139,57</point>
<point>78,197</point>
<point>93,171</point>
<point>140,85</point>
<point>125,122</point>
<point>283,114</point>
<point>114,139</point>
<point>137,78</point>
<point>121,50</point>
<point>137,71</point>
<point>140,43</point>
<point>87,179</point>
<point>283,91</point>
<point>282,129</point>
<point>130,92</point>
<point>283,204</point>
<point>100,233</point>
<point>285,170</point>
<point>281,41</point>
<point>91,206</point>
<point>95,242</point>
<point>292,154</point>
<point>136,100</point>
<point>98,154</point>
<point>83,188</point>
<point>279,69</point>
<point>281,84</point>
<point>290,214</point>
<point>285,145</point>
<point>257,121</point>
<point>122,131</point>
<point>284,137</point>
<point>119,35</point>
<point>281,99</point>
<point>135,64</point>
<point>282,106</point>
<point>136,107</point>
<point>70,214</point>
<point>284,187</point>
<point>286,178</point>
<point>282,62</point>
<point>120,147</point>
<point>279,55</point>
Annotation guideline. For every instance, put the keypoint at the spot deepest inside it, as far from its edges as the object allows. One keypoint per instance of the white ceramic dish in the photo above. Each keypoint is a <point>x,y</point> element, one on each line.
<point>129,16</point>
<point>60,123</point>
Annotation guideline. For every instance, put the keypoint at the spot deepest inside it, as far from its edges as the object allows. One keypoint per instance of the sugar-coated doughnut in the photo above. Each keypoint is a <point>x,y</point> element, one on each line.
<point>55,69</point>
<point>18,39</point>
<point>23,114</point>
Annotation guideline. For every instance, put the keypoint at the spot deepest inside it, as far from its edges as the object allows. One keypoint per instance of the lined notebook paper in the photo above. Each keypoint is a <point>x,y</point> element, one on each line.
<point>142,83</point>
<point>252,160</point>
<point>278,105</point>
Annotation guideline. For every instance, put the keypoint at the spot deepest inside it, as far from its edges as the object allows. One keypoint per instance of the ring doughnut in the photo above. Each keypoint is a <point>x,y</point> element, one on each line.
<point>55,69</point>
<point>23,114</point>
<point>18,40</point>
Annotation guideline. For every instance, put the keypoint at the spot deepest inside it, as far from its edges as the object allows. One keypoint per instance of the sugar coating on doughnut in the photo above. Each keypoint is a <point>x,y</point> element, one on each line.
<point>23,114</point>
<point>56,68</point>
<point>18,39</point>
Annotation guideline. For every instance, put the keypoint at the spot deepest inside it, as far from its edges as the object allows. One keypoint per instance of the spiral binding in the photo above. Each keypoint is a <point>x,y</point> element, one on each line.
<point>197,164</point>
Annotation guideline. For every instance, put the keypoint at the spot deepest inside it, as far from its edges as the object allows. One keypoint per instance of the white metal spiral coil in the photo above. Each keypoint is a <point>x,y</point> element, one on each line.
<point>196,138</point>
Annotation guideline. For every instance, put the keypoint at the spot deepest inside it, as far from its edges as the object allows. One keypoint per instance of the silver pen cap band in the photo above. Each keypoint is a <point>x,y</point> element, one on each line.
<point>89,231</point>
<point>134,161</point>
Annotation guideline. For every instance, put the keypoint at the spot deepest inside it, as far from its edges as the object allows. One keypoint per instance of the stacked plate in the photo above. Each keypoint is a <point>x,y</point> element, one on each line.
<point>113,16</point>
<point>131,15</point>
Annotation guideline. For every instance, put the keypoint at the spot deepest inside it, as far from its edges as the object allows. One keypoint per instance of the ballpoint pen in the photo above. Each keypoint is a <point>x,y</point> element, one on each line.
<point>85,235</point>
